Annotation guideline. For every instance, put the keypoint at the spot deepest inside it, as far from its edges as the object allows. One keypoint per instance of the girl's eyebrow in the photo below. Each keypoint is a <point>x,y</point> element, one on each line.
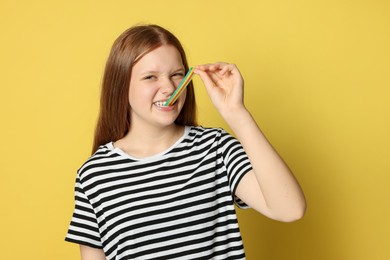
<point>159,72</point>
<point>180,69</point>
<point>149,72</point>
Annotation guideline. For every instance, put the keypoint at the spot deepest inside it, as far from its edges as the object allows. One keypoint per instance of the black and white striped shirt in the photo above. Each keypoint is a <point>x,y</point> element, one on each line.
<point>175,205</point>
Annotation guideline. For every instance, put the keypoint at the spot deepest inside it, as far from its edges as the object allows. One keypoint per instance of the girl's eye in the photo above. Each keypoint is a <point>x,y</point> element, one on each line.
<point>178,75</point>
<point>149,77</point>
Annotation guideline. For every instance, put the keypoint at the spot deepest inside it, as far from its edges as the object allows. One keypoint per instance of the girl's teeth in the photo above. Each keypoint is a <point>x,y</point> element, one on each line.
<point>160,104</point>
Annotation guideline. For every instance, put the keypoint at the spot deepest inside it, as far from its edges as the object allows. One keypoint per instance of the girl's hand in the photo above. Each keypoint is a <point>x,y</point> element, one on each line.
<point>224,84</point>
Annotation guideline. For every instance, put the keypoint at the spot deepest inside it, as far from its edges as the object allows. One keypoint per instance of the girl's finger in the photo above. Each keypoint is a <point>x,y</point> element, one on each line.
<point>228,68</point>
<point>211,66</point>
<point>215,77</point>
<point>208,82</point>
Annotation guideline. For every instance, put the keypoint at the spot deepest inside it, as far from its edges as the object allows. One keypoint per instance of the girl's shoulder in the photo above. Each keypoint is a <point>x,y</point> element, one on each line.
<point>202,131</point>
<point>200,134</point>
<point>206,130</point>
<point>104,155</point>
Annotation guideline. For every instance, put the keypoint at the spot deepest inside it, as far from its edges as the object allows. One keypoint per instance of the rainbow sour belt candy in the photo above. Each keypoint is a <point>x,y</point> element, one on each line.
<point>183,84</point>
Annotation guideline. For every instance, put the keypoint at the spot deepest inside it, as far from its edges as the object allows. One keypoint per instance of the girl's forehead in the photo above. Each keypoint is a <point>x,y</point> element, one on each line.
<point>163,57</point>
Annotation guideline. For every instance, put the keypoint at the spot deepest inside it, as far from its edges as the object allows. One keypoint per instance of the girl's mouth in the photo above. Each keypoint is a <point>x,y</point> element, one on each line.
<point>162,104</point>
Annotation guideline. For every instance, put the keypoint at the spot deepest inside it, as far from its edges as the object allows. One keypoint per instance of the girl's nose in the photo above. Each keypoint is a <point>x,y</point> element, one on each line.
<point>167,87</point>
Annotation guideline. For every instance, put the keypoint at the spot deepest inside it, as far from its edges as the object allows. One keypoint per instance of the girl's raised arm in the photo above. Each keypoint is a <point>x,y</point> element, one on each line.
<point>270,187</point>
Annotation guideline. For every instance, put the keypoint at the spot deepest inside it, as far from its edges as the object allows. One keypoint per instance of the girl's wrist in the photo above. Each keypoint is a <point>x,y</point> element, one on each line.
<point>236,116</point>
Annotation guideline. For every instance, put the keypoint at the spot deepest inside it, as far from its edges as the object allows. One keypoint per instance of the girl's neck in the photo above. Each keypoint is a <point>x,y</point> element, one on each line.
<point>141,143</point>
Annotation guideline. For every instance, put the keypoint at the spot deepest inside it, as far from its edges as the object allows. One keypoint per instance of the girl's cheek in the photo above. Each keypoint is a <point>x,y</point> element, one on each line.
<point>177,82</point>
<point>154,88</point>
<point>183,96</point>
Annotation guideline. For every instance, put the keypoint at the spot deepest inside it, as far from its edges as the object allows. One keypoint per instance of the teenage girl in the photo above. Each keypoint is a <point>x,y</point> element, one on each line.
<point>158,186</point>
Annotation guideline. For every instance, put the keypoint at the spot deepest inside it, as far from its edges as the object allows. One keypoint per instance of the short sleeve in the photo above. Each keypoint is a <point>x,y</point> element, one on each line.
<point>236,161</point>
<point>83,228</point>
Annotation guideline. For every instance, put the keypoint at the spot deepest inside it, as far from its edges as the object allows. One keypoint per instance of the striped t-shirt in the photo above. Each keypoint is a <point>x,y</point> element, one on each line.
<point>178,204</point>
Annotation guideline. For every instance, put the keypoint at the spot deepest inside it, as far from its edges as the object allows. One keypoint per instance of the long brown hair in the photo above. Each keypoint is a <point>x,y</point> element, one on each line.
<point>114,117</point>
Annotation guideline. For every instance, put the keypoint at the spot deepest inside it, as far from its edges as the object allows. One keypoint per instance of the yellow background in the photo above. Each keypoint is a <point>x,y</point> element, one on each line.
<point>317,82</point>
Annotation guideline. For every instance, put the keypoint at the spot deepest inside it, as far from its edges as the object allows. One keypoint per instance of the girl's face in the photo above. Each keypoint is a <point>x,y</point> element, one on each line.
<point>153,80</point>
